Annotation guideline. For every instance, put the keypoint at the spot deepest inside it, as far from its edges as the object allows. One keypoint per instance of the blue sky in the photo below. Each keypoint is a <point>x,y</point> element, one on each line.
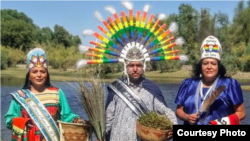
<point>75,16</point>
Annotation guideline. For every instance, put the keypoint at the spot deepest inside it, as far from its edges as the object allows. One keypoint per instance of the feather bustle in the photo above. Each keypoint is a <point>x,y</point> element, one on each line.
<point>117,30</point>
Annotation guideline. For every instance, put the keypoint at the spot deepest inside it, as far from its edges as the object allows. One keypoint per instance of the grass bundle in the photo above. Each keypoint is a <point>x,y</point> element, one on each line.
<point>153,120</point>
<point>92,98</point>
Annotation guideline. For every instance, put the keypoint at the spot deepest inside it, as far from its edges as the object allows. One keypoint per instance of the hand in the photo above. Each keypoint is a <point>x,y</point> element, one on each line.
<point>79,120</point>
<point>192,118</point>
<point>170,135</point>
<point>29,125</point>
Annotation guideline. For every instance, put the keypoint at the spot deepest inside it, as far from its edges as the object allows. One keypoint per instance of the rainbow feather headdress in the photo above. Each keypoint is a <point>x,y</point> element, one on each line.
<point>132,39</point>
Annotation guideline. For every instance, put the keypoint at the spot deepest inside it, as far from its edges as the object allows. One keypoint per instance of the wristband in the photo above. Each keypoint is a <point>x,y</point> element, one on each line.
<point>229,120</point>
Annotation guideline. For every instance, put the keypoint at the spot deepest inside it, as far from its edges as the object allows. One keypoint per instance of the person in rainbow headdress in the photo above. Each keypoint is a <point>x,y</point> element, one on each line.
<point>200,99</point>
<point>35,108</point>
<point>129,97</point>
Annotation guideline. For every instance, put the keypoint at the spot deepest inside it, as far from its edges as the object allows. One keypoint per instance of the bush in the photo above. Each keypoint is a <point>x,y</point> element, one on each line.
<point>60,57</point>
<point>14,56</point>
<point>55,64</point>
<point>168,66</point>
<point>230,61</point>
<point>4,60</point>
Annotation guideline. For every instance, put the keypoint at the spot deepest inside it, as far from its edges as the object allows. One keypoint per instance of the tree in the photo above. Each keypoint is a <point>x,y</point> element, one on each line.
<point>17,30</point>
<point>17,34</point>
<point>76,40</point>
<point>241,26</point>
<point>206,24</point>
<point>238,10</point>
<point>246,25</point>
<point>62,36</point>
<point>9,14</point>
<point>45,35</point>
<point>222,30</point>
<point>187,21</point>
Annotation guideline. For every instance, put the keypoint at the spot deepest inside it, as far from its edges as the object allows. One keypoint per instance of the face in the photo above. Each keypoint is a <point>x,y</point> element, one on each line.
<point>209,68</point>
<point>135,70</point>
<point>38,76</point>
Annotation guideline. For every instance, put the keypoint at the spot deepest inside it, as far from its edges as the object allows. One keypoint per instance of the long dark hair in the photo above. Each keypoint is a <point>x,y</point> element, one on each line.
<point>27,82</point>
<point>197,70</point>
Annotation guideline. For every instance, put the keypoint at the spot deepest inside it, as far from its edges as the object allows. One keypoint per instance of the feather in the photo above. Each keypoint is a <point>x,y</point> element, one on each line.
<point>82,49</point>
<point>99,16</point>
<point>209,101</point>
<point>87,32</point>
<point>127,5</point>
<point>183,59</point>
<point>81,63</point>
<point>180,41</point>
<point>110,9</point>
<point>173,27</point>
<point>162,16</point>
<point>146,8</point>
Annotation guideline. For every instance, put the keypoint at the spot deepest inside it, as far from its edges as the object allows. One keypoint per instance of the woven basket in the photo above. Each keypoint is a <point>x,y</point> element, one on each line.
<point>75,131</point>
<point>150,134</point>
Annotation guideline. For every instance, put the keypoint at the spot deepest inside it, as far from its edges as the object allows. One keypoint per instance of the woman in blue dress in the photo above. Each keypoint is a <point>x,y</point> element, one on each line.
<point>209,74</point>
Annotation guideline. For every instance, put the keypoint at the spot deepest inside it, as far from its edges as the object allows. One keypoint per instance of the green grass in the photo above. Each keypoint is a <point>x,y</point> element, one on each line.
<point>12,72</point>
